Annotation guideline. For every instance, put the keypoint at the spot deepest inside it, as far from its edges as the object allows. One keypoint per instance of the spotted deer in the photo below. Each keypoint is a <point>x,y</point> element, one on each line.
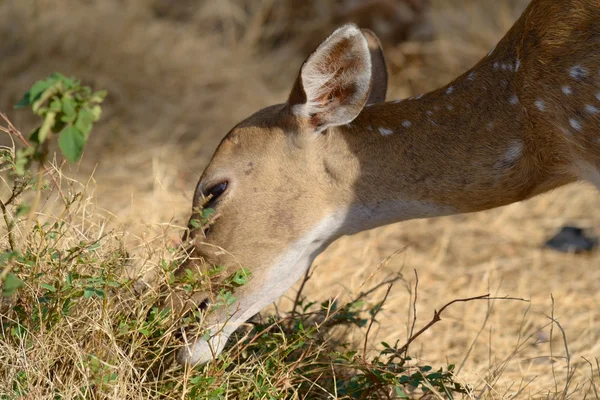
<point>336,159</point>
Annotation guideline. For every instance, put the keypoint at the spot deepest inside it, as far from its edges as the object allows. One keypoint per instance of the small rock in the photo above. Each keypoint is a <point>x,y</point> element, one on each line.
<point>571,239</point>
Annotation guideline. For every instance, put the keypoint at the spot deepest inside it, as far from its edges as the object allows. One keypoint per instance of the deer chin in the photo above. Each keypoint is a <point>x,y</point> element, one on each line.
<point>203,351</point>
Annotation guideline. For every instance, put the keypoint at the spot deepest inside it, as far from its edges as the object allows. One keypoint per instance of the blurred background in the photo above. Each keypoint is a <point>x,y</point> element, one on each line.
<point>181,73</point>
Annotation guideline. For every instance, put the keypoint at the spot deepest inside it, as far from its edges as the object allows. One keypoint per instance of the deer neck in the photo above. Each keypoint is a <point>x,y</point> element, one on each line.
<point>463,148</point>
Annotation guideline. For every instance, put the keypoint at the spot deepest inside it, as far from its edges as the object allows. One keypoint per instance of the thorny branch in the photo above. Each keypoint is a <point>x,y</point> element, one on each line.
<point>437,317</point>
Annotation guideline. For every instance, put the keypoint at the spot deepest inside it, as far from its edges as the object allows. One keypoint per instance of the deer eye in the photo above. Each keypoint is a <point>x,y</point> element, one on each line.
<point>214,191</point>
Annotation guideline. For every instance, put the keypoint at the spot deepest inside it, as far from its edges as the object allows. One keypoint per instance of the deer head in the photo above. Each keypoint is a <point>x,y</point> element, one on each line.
<point>276,183</point>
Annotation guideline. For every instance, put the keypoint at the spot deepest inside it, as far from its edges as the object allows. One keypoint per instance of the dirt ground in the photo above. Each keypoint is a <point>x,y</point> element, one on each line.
<point>181,74</point>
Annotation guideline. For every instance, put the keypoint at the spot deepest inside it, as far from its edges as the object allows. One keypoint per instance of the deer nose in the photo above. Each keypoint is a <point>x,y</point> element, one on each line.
<point>200,351</point>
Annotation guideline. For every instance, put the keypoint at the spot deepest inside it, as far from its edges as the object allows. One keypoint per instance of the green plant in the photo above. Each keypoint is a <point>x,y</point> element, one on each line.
<point>67,109</point>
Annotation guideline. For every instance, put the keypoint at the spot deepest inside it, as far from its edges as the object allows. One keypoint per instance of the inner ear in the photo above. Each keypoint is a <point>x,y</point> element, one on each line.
<point>379,74</point>
<point>334,82</point>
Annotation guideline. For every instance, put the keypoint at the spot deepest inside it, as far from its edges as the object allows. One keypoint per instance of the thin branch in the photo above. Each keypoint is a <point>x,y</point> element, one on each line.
<point>9,225</point>
<point>592,384</point>
<point>378,308</point>
<point>412,328</point>
<point>551,348</point>
<point>437,316</point>
<point>389,281</point>
<point>567,355</point>
<point>14,131</point>
<point>306,278</point>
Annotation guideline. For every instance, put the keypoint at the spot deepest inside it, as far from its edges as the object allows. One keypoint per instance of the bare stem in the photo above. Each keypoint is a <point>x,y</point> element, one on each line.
<point>379,307</point>
<point>307,276</point>
<point>10,223</point>
<point>437,317</point>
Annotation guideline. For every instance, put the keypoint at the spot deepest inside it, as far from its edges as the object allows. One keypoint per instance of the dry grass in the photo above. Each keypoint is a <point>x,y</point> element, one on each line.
<point>178,82</point>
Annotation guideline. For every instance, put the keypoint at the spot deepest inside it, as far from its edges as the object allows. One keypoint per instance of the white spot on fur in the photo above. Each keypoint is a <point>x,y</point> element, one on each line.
<point>490,125</point>
<point>575,124</point>
<point>429,112</point>
<point>510,67</point>
<point>450,90</point>
<point>514,100</point>
<point>504,66</point>
<point>450,107</point>
<point>471,76</point>
<point>565,131</point>
<point>517,65</point>
<point>598,96</point>
<point>496,65</point>
<point>578,72</point>
<point>491,51</point>
<point>419,96</point>
<point>397,101</point>
<point>567,90</point>
<point>591,109</point>
<point>540,105</point>
<point>512,154</point>
<point>406,124</point>
<point>385,131</point>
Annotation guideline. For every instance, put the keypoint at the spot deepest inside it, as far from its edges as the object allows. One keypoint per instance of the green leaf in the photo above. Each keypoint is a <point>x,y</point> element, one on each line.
<point>240,277</point>
<point>34,136</point>
<point>88,293</point>
<point>206,214</point>
<point>99,96</point>
<point>11,284</point>
<point>7,256</point>
<point>23,159</point>
<point>68,109</point>
<point>23,209</point>
<point>84,122</point>
<point>46,126</point>
<point>435,375</point>
<point>400,393</point>
<point>38,88</point>
<point>52,90</point>
<point>25,101</point>
<point>48,287</point>
<point>96,113</point>
<point>71,143</point>
<point>56,105</point>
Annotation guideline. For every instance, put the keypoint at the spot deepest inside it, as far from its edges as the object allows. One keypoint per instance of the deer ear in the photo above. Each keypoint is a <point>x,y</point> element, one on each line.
<point>335,80</point>
<point>379,75</point>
